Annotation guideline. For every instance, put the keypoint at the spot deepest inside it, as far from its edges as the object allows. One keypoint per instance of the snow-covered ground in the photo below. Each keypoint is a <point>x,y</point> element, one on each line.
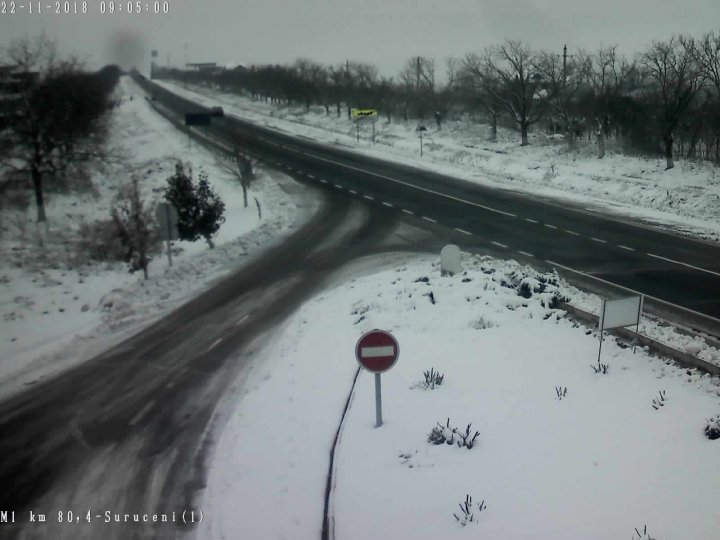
<point>58,310</point>
<point>596,464</point>
<point>686,198</point>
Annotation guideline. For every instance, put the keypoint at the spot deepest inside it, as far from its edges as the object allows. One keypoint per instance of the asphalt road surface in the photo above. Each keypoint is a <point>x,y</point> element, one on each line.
<point>129,431</point>
<point>644,257</point>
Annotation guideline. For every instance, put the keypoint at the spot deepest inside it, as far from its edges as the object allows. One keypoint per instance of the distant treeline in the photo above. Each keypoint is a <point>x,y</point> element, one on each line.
<point>664,101</point>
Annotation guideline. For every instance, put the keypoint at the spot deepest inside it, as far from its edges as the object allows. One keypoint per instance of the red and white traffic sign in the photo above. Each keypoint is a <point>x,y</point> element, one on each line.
<point>377,351</point>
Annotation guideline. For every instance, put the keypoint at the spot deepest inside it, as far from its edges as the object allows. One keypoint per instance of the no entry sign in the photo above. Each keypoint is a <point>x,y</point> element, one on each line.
<point>377,351</point>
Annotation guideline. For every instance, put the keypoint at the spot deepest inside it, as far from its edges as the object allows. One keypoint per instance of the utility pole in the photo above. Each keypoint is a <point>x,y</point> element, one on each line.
<point>565,56</point>
<point>417,71</point>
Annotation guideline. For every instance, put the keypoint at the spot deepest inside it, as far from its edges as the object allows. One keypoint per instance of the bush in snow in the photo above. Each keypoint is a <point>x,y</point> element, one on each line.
<point>712,429</point>
<point>432,378</point>
<point>659,401</point>
<point>444,434</point>
<point>466,511</point>
<point>136,227</point>
<point>600,368</point>
<point>642,535</point>
<point>101,241</point>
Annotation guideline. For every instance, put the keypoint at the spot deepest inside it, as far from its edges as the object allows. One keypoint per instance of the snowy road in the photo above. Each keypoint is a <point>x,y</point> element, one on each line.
<point>128,431</point>
<point>551,233</point>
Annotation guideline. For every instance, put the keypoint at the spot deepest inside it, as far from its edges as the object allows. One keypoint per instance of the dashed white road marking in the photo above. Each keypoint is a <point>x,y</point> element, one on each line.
<point>531,220</point>
<point>141,413</point>
<point>431,220</point>
<point>463,231</point>
<point>387,204</point>
<point>323,181</point>
<point>311,176</point>
<point>353,191</point>
<point>408,212</point>
<point>498,244</point>
<point>549,226</point>
<point>215,344</point>
<point>413,186</point>
<point>683,264</point>
<point>242,320</point>
<point>626,248</point>
<point>598,240</point>
<point>572,232</point>
<point>368,197</point>
<point>526,253</point>
<point>338,186</point>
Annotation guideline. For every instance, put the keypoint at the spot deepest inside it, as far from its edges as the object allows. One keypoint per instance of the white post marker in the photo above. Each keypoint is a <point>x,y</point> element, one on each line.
<point>377,351</point>
<point>450,260</point>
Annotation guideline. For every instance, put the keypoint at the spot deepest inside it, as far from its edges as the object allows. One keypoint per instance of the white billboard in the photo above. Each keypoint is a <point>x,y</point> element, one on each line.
<point>620,312</point>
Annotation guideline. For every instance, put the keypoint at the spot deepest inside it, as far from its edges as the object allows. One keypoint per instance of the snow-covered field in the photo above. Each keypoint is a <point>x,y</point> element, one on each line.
<point>58,311</point>
<point>686,198</point>
<point>596,464</point>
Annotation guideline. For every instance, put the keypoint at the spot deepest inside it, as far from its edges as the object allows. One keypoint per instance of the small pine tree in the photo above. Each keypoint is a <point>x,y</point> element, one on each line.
<point>210,210</point>
<point>180,193</point>
<point>200,210</point>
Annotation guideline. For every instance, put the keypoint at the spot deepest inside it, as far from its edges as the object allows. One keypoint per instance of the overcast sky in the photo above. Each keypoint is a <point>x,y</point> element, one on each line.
<point>383,32</point>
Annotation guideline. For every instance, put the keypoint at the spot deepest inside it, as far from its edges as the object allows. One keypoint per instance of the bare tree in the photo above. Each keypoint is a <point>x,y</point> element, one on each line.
<point>418,79</point>
<point>58,116</point>
<point>563,82</point>
<point>135,225</point>
<point>708,51</point>
<point>240,166</point>
<point>516,68</point>
<point>479,83</point>
<point>673,66</point>
<point>604,74</point>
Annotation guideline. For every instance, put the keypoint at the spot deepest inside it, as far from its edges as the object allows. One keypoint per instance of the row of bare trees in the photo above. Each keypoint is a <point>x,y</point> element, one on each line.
<point>664,101</point>
<point>55,117</point>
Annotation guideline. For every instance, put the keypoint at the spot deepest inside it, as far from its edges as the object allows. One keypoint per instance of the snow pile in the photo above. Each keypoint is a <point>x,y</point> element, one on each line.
<point>596,461</point>
<point>51,297</point>
<point>685,198</point>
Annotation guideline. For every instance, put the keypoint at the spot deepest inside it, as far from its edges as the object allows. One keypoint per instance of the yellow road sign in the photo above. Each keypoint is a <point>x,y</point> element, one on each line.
<point>363,113</point>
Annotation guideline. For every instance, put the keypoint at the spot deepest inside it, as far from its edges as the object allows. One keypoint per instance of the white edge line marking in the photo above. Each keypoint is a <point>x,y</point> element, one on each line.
<point>387,204</point>
<point>683,264</point>
<point>408,212</point>
<point>531,220</point>
<point>526,253</point>
<point>633,291</point>
<point>625,247</point>
<point>463,231</point>
<point>214,344</point>
<point>598,240</point>
<point>498,244</point>
<point>368,197</point>
<point>431,220</point>
<point>141,413</point>
<point>549,226</point>
<point>413,186</point>
<point>572,232</point>
<point>376,352</point>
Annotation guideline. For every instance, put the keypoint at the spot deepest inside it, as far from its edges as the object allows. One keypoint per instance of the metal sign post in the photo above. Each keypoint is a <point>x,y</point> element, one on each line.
<point>167,217</point>
<point>377,351</point>
<point>420,129</point>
